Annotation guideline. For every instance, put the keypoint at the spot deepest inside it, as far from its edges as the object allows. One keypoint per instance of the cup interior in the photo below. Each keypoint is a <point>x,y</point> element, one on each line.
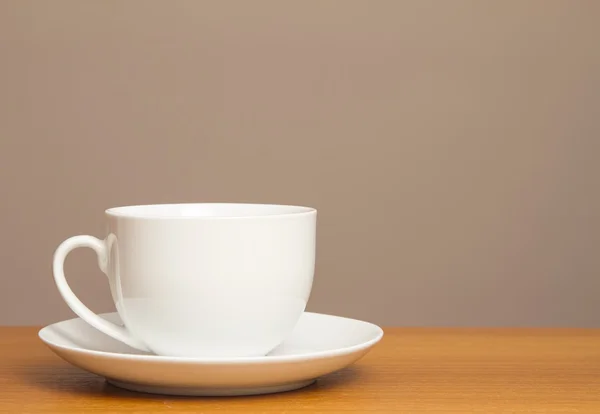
<point>207,210</point>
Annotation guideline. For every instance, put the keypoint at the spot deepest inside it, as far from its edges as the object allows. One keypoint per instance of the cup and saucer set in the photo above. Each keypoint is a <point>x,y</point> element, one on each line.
<point>210,301</point>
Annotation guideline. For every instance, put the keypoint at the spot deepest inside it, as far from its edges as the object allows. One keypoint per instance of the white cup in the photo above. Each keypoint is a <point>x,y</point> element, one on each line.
<point>201,280</point>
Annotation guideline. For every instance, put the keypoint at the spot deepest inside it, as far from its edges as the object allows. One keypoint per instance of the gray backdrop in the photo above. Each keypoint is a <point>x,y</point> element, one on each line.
<point>451,147</point>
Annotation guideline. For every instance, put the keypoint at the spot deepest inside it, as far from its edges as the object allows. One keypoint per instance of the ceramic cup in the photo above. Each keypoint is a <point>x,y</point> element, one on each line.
<point>201,280</point>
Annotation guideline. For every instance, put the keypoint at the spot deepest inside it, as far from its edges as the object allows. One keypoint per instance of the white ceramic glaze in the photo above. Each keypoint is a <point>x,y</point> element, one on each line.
<point>319,345</point>
<point>210,280</point>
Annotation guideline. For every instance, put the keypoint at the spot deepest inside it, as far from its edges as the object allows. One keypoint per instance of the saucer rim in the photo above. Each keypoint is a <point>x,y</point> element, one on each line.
<point>274,359</point>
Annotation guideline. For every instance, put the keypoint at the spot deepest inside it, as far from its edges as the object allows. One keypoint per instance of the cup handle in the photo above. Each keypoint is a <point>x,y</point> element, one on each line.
<point>115,331</point>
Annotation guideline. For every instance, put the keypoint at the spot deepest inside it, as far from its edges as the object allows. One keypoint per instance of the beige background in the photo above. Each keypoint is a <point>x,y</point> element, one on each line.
<point>451,147</point>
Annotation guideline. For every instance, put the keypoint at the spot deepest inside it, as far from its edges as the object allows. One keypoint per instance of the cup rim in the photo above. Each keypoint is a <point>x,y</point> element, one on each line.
<point>133,211</point>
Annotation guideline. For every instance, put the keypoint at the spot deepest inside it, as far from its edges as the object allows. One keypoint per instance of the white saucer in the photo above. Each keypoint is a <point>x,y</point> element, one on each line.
<point>319,345</point>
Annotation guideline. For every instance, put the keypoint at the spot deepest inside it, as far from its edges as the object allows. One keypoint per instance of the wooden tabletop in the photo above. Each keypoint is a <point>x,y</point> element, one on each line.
<point>409,371</point>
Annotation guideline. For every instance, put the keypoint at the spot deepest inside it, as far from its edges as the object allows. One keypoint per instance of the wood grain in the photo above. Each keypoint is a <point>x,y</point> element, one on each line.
<point>410,371</point>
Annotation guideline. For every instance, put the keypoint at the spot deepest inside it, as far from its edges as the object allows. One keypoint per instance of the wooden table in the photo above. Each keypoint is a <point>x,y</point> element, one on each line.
<point>410,371</point>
